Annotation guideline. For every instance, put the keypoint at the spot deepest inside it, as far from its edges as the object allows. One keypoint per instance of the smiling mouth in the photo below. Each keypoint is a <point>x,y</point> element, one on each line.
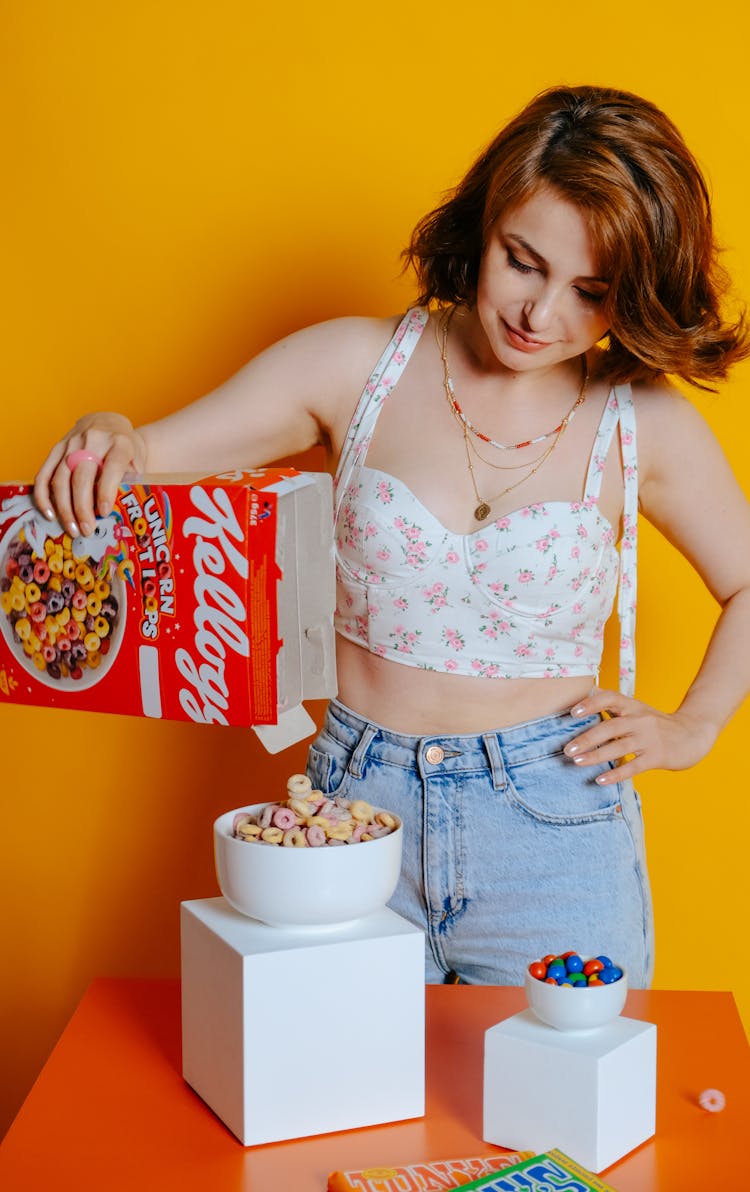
<point>525,340</point>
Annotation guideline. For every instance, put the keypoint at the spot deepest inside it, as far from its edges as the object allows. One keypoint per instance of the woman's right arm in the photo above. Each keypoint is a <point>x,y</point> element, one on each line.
<point>298,393</point>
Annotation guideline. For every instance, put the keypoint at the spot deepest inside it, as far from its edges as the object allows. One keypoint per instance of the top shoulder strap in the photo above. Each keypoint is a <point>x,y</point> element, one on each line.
<point>380,385</point>
<point>627,592</point>
<point>605,431</point>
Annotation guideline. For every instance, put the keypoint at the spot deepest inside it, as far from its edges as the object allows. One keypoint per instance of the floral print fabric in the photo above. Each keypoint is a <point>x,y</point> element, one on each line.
<point>527,595</point>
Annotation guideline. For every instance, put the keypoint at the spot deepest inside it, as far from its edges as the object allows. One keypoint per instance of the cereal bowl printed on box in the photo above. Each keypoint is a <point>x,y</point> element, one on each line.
<point>301,886</point>
<point>63,601</point>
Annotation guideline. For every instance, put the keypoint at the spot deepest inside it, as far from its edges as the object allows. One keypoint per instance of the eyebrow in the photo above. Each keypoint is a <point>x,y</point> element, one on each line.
<point>542,261</point>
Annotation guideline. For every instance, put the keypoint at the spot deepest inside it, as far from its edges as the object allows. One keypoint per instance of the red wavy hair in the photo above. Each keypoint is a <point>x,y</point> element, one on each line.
<point>646,203</point>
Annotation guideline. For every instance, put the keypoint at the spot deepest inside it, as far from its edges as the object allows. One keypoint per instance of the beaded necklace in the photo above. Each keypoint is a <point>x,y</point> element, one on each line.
<point>459,413</point>
<point>484,505</point>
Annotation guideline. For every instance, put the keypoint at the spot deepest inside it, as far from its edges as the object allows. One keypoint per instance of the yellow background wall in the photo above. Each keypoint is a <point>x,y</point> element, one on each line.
<point>183,183</point>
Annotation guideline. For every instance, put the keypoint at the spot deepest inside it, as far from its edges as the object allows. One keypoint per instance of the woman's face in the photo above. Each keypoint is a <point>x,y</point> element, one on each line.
<point>540,295</point>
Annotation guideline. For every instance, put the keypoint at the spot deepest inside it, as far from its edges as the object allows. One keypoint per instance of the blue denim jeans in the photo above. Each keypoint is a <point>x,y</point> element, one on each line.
<point>511,851</point>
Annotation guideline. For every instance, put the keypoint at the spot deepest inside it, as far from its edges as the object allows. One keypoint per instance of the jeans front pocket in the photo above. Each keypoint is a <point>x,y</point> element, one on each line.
<point>328,765</point>
<point>554,790</point>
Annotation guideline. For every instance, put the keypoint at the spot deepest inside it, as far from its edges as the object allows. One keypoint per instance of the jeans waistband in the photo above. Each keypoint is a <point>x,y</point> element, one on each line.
<point>452,751</point>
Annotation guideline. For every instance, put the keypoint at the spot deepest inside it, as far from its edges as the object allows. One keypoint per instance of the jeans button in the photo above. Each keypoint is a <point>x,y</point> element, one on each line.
<point>434,755</point>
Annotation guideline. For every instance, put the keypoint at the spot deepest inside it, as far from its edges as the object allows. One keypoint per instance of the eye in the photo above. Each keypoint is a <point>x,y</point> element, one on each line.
<point>518,265</point>
<point>587,296</point>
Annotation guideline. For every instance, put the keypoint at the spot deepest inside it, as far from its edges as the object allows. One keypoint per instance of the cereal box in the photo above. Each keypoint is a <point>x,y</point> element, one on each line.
<point>199,598</point>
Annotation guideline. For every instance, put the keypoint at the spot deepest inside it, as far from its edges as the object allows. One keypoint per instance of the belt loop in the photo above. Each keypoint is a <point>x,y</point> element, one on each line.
<point>495,758</point>
<point>360,753</point>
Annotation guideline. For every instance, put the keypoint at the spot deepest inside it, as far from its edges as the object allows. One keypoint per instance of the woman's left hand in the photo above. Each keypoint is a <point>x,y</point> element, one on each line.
<point>638,736</point>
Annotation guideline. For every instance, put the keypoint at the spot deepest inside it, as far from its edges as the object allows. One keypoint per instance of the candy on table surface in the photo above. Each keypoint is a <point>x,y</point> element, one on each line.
<point>712,1100</point>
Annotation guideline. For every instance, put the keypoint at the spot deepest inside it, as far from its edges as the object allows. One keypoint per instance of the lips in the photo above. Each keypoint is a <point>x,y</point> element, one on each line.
<point>524,343</point>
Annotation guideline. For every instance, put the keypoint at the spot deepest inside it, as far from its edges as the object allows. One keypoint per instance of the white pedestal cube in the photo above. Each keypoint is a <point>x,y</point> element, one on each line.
<point>591,1094</point>
<point>287,1033</point>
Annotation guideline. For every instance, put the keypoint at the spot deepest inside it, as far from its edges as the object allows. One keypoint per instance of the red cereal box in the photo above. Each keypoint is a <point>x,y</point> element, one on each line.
<point>199,598</point>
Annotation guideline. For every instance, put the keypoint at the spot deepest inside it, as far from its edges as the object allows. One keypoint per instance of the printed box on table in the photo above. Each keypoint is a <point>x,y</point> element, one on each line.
<point>203,598</point>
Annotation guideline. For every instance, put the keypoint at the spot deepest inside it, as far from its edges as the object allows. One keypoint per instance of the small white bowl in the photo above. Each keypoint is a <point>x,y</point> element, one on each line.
<point>305,887</point>
<point>569,1009</point>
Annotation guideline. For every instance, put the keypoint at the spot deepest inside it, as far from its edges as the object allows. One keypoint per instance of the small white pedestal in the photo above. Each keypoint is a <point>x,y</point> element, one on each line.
<point>591,1094</point>
<point>287,1033</point>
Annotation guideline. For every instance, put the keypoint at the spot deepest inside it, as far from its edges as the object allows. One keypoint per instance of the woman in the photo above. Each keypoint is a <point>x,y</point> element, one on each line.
<point>478,509</point>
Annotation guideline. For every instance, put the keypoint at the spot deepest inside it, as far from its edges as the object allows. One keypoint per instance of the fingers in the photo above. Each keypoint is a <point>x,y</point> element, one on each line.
<point>637,737</point>
<point>42,493</point>
<point>627,769</point>
<point>76,496</point>
<point>595,747</point>
<point>602,700</point>
<point>613,739</point>
<point>71,492</point>
<point>115,463</point>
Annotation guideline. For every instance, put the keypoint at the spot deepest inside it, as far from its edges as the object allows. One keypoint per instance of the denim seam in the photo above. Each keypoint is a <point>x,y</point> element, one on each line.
<point>561,821</point>
<point>537,757</point>
<point>642,886</point>
<point>566,821</point>
<point>358,756</point>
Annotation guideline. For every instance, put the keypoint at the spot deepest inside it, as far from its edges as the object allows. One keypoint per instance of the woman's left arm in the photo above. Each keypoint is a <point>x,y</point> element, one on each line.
<point>688,491</point>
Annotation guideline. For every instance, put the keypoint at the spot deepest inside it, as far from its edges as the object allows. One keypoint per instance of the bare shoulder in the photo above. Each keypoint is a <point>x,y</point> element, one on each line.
<point>671,430</point>
<point>686,485</point>
<point>340,346</point>
<point>332,361</point>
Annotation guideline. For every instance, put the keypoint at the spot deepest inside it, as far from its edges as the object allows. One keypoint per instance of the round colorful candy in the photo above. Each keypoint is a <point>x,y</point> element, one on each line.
<point>592,966</point>
<point>608,976</point>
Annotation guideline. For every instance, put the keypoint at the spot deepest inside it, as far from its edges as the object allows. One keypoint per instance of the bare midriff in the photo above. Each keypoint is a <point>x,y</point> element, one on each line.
<point>413,701</point>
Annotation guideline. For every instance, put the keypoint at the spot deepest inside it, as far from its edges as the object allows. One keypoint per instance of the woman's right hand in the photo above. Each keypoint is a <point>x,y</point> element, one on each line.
<point>77,496</point>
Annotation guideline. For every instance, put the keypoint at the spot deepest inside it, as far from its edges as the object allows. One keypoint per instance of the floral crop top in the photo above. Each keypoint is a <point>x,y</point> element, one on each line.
<point>525,596</point>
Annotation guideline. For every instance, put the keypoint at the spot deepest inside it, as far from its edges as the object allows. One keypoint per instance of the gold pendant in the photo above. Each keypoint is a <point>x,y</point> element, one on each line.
<point>482,511</point>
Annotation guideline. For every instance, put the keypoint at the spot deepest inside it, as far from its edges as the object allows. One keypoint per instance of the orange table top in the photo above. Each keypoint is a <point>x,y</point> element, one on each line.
<point>110,1110</point>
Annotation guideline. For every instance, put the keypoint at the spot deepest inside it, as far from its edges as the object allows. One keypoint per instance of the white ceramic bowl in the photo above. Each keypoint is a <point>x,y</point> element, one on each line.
<point>570,1009</point>
<point>305,887</point>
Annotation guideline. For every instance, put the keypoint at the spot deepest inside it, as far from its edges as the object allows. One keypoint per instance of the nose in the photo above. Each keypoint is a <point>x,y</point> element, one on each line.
<point>540,309</point>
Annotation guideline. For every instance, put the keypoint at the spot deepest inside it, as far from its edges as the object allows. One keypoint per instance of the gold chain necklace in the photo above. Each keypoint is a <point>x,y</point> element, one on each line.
<point>484,505</point>
<point>498,467</point>
<point>466,421</point>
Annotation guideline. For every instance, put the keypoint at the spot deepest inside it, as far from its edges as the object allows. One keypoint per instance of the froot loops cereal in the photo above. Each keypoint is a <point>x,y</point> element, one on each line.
<point>570,969</point>
<point>61,609</point>
<point>712,1100</point>
<point>310,819</point>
